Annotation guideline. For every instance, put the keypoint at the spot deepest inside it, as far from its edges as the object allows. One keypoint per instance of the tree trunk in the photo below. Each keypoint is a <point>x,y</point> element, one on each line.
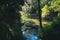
<point>40,18</point>
<point>9,16</point>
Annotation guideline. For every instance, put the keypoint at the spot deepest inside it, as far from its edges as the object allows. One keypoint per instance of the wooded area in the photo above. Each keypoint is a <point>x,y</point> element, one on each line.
<point>29,19</point>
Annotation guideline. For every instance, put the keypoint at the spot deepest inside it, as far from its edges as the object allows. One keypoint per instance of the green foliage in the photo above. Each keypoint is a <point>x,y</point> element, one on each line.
<point>55,4</point>
<point>54,22</point>
<point>52,29</point>
<point>24,15</point>
<point>45,10</point>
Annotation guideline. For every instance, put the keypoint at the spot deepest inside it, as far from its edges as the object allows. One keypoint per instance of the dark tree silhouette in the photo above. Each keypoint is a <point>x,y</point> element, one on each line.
<point>40,18</point>
<point>10,21</point>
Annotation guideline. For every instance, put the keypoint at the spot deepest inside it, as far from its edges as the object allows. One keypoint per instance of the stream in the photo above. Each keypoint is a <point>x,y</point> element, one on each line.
<point>30,34</point>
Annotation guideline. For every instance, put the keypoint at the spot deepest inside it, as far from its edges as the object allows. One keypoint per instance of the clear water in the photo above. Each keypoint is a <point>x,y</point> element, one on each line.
<point>30,36</point>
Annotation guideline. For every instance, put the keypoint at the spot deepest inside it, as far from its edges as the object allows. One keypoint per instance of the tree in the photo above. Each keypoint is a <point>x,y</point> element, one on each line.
<point>40,18</point>
<point>9,17</point>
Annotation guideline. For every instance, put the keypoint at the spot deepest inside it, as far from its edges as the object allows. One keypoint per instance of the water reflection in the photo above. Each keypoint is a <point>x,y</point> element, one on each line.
<point>30,34</point>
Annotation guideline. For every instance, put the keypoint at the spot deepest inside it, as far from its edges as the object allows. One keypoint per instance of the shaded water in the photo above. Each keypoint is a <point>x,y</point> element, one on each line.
<point>30,34</point>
